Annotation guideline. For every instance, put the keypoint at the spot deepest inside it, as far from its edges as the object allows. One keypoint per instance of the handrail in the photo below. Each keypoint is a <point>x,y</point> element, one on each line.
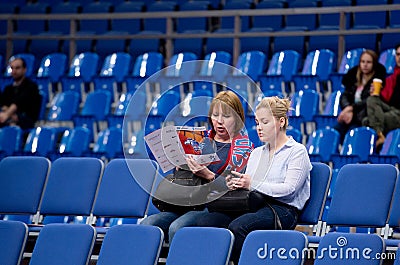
<point>170,34</point>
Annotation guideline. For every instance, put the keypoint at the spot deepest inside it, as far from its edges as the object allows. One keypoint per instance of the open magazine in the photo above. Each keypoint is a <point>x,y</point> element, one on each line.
<point>170,146</point>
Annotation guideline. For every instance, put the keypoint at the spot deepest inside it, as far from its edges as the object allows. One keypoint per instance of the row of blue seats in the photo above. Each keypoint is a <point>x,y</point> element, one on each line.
<point>374,203</point>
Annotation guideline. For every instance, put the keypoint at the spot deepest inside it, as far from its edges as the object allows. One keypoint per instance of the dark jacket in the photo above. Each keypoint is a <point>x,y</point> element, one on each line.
<point>348,96</point>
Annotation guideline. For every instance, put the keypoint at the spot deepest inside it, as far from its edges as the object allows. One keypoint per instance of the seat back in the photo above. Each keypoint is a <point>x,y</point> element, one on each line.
<point>359,141</point>
<point>251,63</point>
<point>178,66</point>
<point>305,103</point>
<point>22,180</point>
<point>13,235</point>
<point>319,63</point>
<point>64,106</point>
<point>323,142</point>
<point>320,178</point>
<point>191,243</point>
<point>353,247</point>
<point>258,245</point>
<point>125,188</point>
<point>368,204</point>
<point>10,139</point>
<point>332,106</point>
<point>116,65</point>
<point>147,64</point>
<point>284,63</point>
<point>391,146</point>
<point>109,142</point>
<point>29,60</point>
<point>75,141</point>
<point>388,59</point>
<point>64,244</point>
<point>215,64</point>
<point>394,214</point>
<point>53,65</point>
<point>41,141</point>
<point>125,243</point>
<point>97,104</point>
<point>84,65</point>
<point>350,59</point>
<point>72,191</point>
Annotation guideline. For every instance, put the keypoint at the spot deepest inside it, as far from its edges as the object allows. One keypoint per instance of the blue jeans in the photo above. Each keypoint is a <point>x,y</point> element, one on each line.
<point>171,222</point>
<point>241,226</point>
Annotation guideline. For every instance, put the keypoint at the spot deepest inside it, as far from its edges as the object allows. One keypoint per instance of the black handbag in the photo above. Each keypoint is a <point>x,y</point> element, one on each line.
<point>181,192</point>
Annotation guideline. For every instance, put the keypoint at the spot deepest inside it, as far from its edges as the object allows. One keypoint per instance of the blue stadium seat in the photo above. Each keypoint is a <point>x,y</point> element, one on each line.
<point>105,47</point>
<point>356,41</point>
<point>10,140</point>
<point>251,63</point>
<point>303,21</point>
<point>393,222</point>
<point>63,26</point>
<point>304,105</point>
<point>41,141</point>
<point>285,63</point>
<point>84,65</point>
<point>132,26</point>
<point>117,65</point>
<point>328,118</point>
<point>158,24</point>
<point>390,152</point>
<point>388,40</point>
<point>388,59</point>
<point>74,142</point>
<point>42,47</point>
<point>282,43</point>
<point>272,22</point>
<point>227,23</point>
<point>363,19</point>
<point>193,23</point>
<point>147,64</point>
<point>13,237</point>
<point>332,20</point>
<point>108,144</point>
<point>32,26</point>
<point>53,66</point>
<point>322,143</point>
<point>95,26</point>
<point>139,45</point>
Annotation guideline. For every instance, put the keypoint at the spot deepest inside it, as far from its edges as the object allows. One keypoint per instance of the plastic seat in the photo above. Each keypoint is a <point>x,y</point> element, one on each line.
<point>282,43</point>
<point>132,26</point>
<point>54,239</point>
<point>285,63</point>
<point>193,23</point>
<point>176,68</point>
<point>303,21</point>
<point>29,60</point>
<point>32,26</point>
<point>41,141</point>
<point>358,145</point>
<point>190,244</point>
<point>388,39</point>
<point>328,118</point>
<point>10,140</point>
<point>74,142</point>
<point>295,133</point>
<point>366,41</point>
<point>352,207</point>
<point>71,192</point>
<point>95,26</point>
<point>84,65</point>
<point>63,26</point>
<point>332,21</point>
<point>215,66</point>
<point>317,68</point>
<point>273,22</point>
<point>322,143</point>
<point>42,47</point>
<point>390,152</point>
<point>158,24</point>
<point>53,66</point>
<point>116,65</point>
<point>13,236</point>
<point>138,46</point>
<point>304,104</point>
<point>108,143</point>
<point>104,47</point>
<point>393,223</point>
<point>195,110</point>
<point>257,246</point>
<point>124,189</point>
<point>227,23</point>
<point>64,106</point>
<point>251,63</point>
<point>387,58</point>
<point>147,64</point>
<point>363,19</point>
<point>22,177</point>
<point>166,107</point>
<point>347,242</point>
<point>137,242</point>
<point>311,214</point>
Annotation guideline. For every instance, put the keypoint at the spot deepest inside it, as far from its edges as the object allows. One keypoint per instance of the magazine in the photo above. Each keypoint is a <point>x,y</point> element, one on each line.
<point>171,145</point>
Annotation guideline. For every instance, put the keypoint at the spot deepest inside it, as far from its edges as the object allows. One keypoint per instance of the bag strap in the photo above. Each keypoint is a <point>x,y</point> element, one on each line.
<point>278,225</point>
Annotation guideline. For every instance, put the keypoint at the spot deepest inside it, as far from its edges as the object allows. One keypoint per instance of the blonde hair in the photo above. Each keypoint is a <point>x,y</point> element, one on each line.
<point>279,107</point>
<point>230,104</point>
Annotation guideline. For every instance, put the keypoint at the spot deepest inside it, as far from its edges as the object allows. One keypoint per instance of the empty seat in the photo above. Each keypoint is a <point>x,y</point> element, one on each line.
<point>158,24</point>
<point>387,58</point>
<point>40,141</point>
<point>10,140</point>
<point>273,22</point>
<point>363,19</point>
<point>64,106</point>
<point>302,21</point>
<point>97,26</point>
<point>132,26</point>
<point>251,63</point>
<point>63,26</point>
<point>13,235</point>
<point>390,152</point>
<point>304,105</point>
<point>32,26</point>
<point>53,66</point>
<point>108,143</point>
<point>323,143</point>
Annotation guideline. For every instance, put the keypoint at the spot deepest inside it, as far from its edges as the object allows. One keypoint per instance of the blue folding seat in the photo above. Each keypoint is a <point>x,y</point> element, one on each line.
<point>13,237</point>
<point>194,45</point>
<point>328,118</point>
<point>166,107</point>
<point>215,66</point>
<point>195,112</point>
<point>107,46</point>
<point>108,144</point>
<point>125,189</point>
<point>29,59</point>
<point>132,26</point>
<point>147,64</point>
<point>194,23</point>
<point>40,142</point>
<point>332,20</point>
<point>64,106</point>
<point>317,68</point>
<point>388,40</point>
<point>358,145</point>
<point>53,66</point>
<point>42,47</point>
<point>190,244</point>
<point>63,26</point>
<point>302,21</point>
<point>177,68</point>
<point>251,63</point>
<point>390,152</point>
<point>319,42</point>
<point>363,19</point>
<point>54,239</point>
<point>84,65</point>
<point>116,65</point>
<point>356,41</point>
<point>10,140</point>
<point>137,242</point>
<point>304,105</point>
<point>227,23</point>
<point>6,8</point>
<point>257,245</point>
<point>388,59</point>
<point>140,45</point>
<point>393,222</point>
<point>270,22</point>
<point>74,142</point>
<point>32,26</point>
<point>158,24</point>
<point>282,43</point>
<point>322,143</point>
<point>296,134</point>
<point>95,26</point>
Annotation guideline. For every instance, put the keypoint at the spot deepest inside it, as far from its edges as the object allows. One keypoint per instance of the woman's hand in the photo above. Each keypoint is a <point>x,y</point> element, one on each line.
<point>346,115</point>
<point>237,180</point>
<point>199,170</point>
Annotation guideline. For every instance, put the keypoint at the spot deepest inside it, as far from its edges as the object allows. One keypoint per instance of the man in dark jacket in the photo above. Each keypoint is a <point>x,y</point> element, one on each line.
<point>384,110</point>
<point>20,101</point>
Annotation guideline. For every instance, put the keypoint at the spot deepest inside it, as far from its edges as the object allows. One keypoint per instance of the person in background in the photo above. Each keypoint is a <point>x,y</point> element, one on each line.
<point>384,109</point>
<point>20,101</point>
<point>233,147</point>
<point>280,170</point>
<point>357,83</point>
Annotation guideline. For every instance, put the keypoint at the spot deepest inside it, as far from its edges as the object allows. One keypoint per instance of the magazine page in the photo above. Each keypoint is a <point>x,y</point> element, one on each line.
<point>170,146</point>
